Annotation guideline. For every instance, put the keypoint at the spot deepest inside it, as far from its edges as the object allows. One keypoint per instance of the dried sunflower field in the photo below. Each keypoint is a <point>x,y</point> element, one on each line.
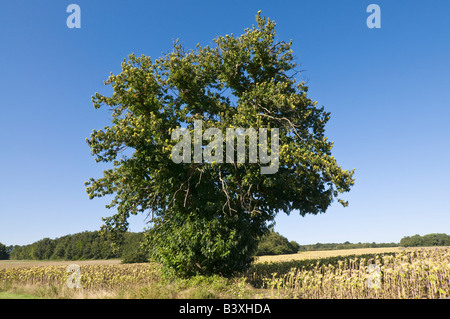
<point>91,276</point>
<point>409,274</point>
<point>61,281</point>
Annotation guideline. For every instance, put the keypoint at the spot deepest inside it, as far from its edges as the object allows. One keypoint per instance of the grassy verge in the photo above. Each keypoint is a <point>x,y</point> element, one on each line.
<point>9,295</point>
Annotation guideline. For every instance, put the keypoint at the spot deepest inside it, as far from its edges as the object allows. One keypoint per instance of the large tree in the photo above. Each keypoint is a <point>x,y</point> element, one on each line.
<point>207,216</point>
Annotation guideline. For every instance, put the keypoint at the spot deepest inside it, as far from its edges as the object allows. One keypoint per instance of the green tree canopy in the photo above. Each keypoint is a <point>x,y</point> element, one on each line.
<point>4,254</point>
<point>274,243</point>
<point>207,217</point>
<point>434,239</point>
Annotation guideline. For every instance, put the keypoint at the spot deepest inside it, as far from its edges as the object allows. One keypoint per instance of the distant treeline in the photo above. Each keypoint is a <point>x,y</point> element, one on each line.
<point>90,245</point>
<point>275,244</point>
<point>425,240</point>
<point>80,246</point>
<point>408,241</point>
<point>345,245</point>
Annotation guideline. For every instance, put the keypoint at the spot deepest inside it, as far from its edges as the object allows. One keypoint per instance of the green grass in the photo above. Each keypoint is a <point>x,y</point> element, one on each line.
<point>8,295</point>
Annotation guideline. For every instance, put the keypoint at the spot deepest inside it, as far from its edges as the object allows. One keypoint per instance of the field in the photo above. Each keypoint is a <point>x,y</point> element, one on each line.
<point>327,254</point>
<point>356,273</point>
<point>260,259</point>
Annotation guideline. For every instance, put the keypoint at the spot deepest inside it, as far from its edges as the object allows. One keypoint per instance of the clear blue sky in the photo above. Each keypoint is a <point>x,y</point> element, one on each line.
<point>388,91</point>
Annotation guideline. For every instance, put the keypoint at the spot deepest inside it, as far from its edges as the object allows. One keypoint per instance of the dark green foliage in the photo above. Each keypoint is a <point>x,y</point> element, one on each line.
<point>425,240</point>
<point>42,249</point>
<point>84,245</point>
<point>203,246</point>
<point>4,254</point>
<point>132,250</point>
<point>275,244</point>
<point>345,245</point>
